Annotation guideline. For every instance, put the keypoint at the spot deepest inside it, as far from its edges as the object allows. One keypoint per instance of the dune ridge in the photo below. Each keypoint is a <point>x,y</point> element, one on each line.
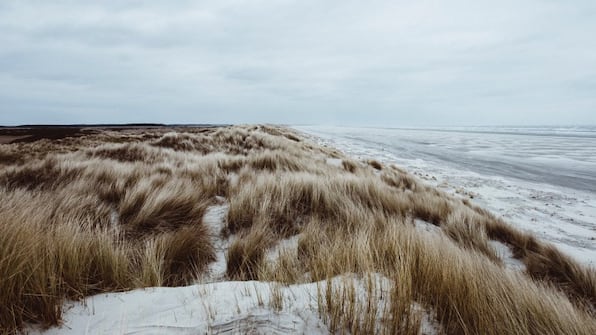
<point>114,210</point>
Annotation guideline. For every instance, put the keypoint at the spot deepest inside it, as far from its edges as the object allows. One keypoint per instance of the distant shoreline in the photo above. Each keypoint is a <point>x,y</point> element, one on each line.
<point>112,125</point>
<point>32,133</point>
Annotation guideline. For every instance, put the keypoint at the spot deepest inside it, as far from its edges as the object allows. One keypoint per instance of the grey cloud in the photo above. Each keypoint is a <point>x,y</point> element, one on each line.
<point>343,62</point>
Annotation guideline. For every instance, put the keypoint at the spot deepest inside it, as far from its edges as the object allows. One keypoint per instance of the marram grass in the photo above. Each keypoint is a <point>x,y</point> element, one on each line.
<point>116,210</point>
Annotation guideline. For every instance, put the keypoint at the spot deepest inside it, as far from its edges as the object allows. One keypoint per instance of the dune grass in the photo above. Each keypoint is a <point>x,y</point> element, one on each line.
<point>113,211</point>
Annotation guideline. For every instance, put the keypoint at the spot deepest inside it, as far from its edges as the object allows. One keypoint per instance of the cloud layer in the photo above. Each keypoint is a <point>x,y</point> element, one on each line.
<point>391,63</point>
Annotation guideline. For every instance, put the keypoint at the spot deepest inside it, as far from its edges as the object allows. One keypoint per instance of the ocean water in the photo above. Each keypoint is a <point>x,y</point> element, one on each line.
<point>563,156</point>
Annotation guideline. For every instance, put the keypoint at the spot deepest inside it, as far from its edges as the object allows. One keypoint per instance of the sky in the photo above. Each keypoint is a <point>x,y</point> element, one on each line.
<point>331,62</point>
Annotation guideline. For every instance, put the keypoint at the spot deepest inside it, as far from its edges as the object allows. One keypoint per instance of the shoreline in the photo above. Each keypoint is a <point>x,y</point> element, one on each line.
<point>561,215</point>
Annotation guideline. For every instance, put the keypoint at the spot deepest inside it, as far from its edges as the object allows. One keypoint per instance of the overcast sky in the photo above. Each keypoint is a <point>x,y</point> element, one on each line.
<point>383,63</point>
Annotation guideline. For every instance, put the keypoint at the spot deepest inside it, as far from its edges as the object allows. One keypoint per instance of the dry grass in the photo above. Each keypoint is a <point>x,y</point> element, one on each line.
<point>464,228</point>
<point>546,263</point>
<point>116,210</point>
<point>246,254</point>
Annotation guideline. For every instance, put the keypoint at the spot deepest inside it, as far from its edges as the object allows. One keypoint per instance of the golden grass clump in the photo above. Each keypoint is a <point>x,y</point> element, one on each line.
<point>118,209</point>
<point>546,263</point>
<point>174,258</point>
<point>41,264</point>
<point>246,254</point>
<point>467,232</point>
